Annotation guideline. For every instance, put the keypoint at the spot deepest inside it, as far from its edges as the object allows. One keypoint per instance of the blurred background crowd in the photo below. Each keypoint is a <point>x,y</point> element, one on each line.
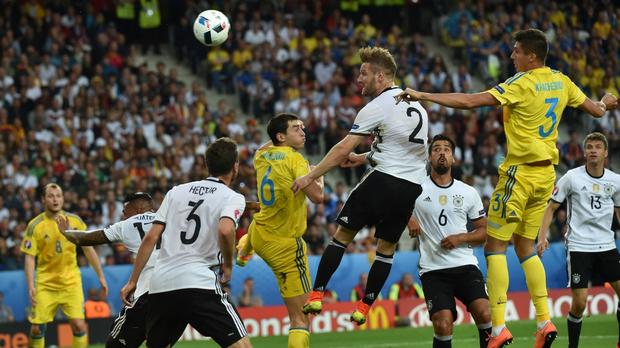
<point>79,107</point>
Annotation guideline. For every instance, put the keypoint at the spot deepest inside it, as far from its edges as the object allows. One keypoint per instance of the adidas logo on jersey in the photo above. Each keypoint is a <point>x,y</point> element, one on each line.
<point>584,189</point>
<point>427,199</point>
<point>344,219</point>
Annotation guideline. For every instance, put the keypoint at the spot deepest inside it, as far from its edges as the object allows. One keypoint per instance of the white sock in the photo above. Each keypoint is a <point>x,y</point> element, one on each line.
<point>541,324</point>
<point>497,330</point>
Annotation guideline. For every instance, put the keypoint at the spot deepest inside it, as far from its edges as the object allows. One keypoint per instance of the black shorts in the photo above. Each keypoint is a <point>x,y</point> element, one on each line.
<point>442,286</point>
<point>129,328</point>
<point>208,311</point>
<point>383,201</point>
<point>586,266</point>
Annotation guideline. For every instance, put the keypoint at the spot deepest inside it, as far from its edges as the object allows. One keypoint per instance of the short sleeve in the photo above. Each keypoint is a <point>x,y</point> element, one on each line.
<point>114,233</point>
<point>476,208</point>
<point>369,118</point>
<point>575,96</point>
<point>300,166</point>
<point>162,213</point>
<point>562,189</point>
<point>77,223</point>
<point>509,92</point>
<point>234,208</point>
<point>29,243</point>
<point>616,195</point>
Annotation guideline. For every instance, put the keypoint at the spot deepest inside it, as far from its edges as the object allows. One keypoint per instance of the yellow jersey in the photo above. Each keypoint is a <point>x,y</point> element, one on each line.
<point>533,103</point>
<point>282,213</point>
<point>56,266</point>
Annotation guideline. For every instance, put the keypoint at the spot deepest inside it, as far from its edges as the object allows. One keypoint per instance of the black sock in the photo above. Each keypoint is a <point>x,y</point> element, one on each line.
<point>574,330</point>
<point>484,335</point>
<point>329,264</point>
<point>379,271</point>
<point>444,342</point>
<point>618,318</point>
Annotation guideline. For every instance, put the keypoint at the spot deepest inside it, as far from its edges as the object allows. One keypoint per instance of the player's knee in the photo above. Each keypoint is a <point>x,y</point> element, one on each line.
<point>37,331</point>
<point>578,305</point>
<point>244,342</point>
<point>78,327</point>
<point>442,326</point>
<point>386,248</point>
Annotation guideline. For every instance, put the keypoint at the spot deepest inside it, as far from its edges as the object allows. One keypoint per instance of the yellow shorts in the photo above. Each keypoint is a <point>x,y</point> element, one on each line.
<point>519,200</point>
<point>71,300</point>
<point>287,259</point>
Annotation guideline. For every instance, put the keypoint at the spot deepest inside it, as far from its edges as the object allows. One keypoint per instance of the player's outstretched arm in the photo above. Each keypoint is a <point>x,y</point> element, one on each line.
<point>144,253</point>
<point>29,264</point>
<point>453,100</point>
<point>336,155</point>
<point>598,109</point>
<point>80,238</point>
<point>543,243</point>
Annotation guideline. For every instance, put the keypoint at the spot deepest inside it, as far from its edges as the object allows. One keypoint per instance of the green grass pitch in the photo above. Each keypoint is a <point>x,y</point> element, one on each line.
<point>597,331</point>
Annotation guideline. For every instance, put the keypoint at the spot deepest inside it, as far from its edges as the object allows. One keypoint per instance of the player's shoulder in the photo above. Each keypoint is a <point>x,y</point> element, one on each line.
<point>144,217</point>
<point>33,223</point>
<point>73,216</point>
<point>612,175</point>
<point>578,171</point>
<point>516,78</point>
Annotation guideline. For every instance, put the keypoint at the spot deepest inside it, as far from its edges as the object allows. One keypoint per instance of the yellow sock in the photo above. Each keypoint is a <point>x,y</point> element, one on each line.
<point>37,342</point>
<point>497,285</point>
<point>298,338</point>
<point>80,341</point>
<point>536,285</point>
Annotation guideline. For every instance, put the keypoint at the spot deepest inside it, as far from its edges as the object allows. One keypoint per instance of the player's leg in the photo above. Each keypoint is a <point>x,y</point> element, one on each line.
<point>541,181</point>
<point>332,256</point>
<point>212,314</point>
<point>471,291</point>
<point>439,288</point>
<point>299,332</point>
<point>579,268</point>
<point>37,335</point>
<point>166,318</point>
<point>128,329</point>
<point>42,313</point>
<point>575,316</point>
<point>608,263</point>
<point>72,304</point>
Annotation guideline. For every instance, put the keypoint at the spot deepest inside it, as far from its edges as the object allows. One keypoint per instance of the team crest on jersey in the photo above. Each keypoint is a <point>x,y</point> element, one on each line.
<point>457,200</point>
<point>443,199</point>
<point>608,189</point>
<point>595,188</point>
<point>576,278</point>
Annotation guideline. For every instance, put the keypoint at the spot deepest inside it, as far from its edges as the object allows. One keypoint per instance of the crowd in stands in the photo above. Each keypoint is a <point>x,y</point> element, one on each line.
<point>77,109</point>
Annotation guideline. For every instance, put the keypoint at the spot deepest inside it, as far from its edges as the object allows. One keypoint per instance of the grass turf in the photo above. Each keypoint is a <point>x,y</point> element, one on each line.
<point>597,331</point>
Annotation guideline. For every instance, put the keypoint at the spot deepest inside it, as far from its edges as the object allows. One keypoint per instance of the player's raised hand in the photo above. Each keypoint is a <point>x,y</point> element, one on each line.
<point>408,95</point>
<point>63,223</point>
<point>301,183</point>
<point>354,160</point>
<point>127,292</point>
<point>414,228</point>
<point>104,286</point>
<point>610,101</point>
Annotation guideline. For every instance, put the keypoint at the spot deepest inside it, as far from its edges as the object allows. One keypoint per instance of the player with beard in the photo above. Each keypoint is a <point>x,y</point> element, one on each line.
<point>448,267</point>
<point>386,196</point>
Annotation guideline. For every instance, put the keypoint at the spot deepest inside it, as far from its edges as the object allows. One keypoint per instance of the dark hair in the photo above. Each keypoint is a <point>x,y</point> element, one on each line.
<point>379,57</point>
<point>138,195</point>
<point>279,124</point>
<point>441,137</point>
<point>596,136</point>
<point>533,41</point>
<point>221,156</point>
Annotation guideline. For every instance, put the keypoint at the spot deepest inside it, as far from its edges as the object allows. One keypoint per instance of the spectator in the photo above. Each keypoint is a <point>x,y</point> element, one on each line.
<point>96,306</point>
<point>248,297</point>
<point>6,313</point>
<point>572,152</point>
<point>406,287</point>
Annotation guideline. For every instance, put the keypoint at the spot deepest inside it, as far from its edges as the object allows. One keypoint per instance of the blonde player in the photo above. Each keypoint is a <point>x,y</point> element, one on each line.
<point>533,102</point>
<point>58,280</point>
<point>275,233</point>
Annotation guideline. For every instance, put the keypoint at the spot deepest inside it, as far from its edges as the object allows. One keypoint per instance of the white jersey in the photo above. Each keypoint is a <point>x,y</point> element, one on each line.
<point>130,232</point>
<point>190,255</point>
<point>441,212</point>
<point>591,203</point>
<point>401,135</point>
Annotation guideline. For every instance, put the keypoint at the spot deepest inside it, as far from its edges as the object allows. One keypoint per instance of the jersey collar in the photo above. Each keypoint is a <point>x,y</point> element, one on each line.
<point>214,179</point>
<point>387,89</point>
<point>442,187</point>
<point>592,176</point>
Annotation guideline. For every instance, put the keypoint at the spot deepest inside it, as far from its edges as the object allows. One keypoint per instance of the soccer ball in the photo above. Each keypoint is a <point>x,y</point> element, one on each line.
<point>211,27</point>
